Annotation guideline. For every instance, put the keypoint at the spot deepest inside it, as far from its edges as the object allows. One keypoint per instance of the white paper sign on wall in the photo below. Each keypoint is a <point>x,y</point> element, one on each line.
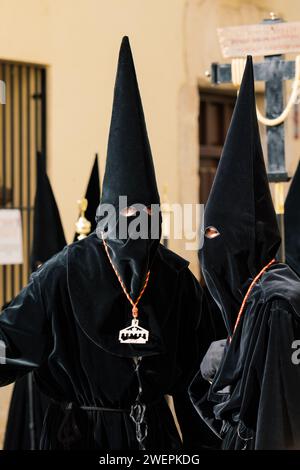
<point>11,242</point>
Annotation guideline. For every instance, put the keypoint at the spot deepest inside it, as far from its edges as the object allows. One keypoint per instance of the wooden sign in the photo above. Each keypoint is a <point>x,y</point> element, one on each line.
<point>11,244</point>
<point>260,39</point>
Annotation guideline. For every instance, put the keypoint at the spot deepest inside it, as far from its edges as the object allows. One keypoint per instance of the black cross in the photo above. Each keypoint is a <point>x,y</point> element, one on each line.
<point>273,71</point>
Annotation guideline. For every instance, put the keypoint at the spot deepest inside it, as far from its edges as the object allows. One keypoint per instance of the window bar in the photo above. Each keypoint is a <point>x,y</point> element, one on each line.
<point>20,159</point>
<point>43,114</point>
<point>28,170</point>
<point>12,162</point>
<point>36,92</point>
<point>4,177</point>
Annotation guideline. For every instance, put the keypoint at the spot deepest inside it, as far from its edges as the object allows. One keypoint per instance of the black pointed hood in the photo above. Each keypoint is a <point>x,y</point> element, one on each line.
<point>48,233</point>
<point>292,224</point>
<point>92,195</point>
<point>129,165</point>
<point>129,172</point>
<point>240,208</point>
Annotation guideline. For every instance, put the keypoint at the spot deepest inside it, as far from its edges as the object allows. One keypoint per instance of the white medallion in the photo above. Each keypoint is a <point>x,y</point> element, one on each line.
<point>134,333</point>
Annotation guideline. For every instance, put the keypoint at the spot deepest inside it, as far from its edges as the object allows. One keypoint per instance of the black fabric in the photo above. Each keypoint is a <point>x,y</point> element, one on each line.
<point>93,196</point>
<point>240,208</point>
<point>48,236</point>
<point>253,400</point>
<point>212,359</point>
<point>27,410</point>
<point>263,380</point>
<point>129,165</point>
<point>70,341</point>
<point>238,437</point>
<point>292,223</point>
<point>129,172</point>
<point>28,405</point>
<point>218,326</point>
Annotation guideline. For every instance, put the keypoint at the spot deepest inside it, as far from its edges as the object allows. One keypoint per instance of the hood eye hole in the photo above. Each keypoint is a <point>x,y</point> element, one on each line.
<point>129,211</point>
<point>148,210</point>
<point>211,232</point>
<point>132,211</point>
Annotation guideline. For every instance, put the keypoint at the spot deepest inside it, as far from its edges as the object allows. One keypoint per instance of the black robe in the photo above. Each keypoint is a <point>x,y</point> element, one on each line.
<point>64,326</point>
<point>28,405</point>
<point>26,415</point>
<point>258,382</point>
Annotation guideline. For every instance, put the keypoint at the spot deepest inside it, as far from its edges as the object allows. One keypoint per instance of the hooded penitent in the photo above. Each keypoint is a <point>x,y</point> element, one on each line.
<point>129,172</point>
<point>28,405</point>
<point>292,224</point>
<point>65,324</point>
<point>253,401</point>
<point>49,236</point>
<point>240,208</point>
<point>92,195</point>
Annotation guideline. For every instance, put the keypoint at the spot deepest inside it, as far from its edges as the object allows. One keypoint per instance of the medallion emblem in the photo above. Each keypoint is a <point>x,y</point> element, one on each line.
<point>134,333</point>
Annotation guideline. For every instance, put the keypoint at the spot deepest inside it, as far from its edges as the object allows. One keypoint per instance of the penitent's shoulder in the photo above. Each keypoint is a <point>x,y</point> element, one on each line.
<point>87,252</point>
<point>92,244</point>
<point>170,258</point>
<point>57,264</point>
<point>54,268</point>
<point>179,266</point>
<point>281,283</point>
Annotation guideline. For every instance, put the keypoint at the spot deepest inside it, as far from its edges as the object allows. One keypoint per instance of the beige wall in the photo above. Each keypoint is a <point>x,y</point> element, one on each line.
<point>79,40</point>
<point>173,41</point>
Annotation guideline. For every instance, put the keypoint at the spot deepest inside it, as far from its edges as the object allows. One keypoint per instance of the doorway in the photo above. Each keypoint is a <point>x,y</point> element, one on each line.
<point>216,109</point>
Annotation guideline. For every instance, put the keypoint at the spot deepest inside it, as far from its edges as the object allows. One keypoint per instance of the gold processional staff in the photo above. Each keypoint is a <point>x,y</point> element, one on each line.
<point>83,226</point>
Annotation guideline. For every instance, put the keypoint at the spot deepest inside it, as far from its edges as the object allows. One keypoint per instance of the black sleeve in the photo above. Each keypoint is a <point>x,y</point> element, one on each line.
<point>24,333</point>
<point>276,363</point>
<point>213,316</point>
<point>196,334</point>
